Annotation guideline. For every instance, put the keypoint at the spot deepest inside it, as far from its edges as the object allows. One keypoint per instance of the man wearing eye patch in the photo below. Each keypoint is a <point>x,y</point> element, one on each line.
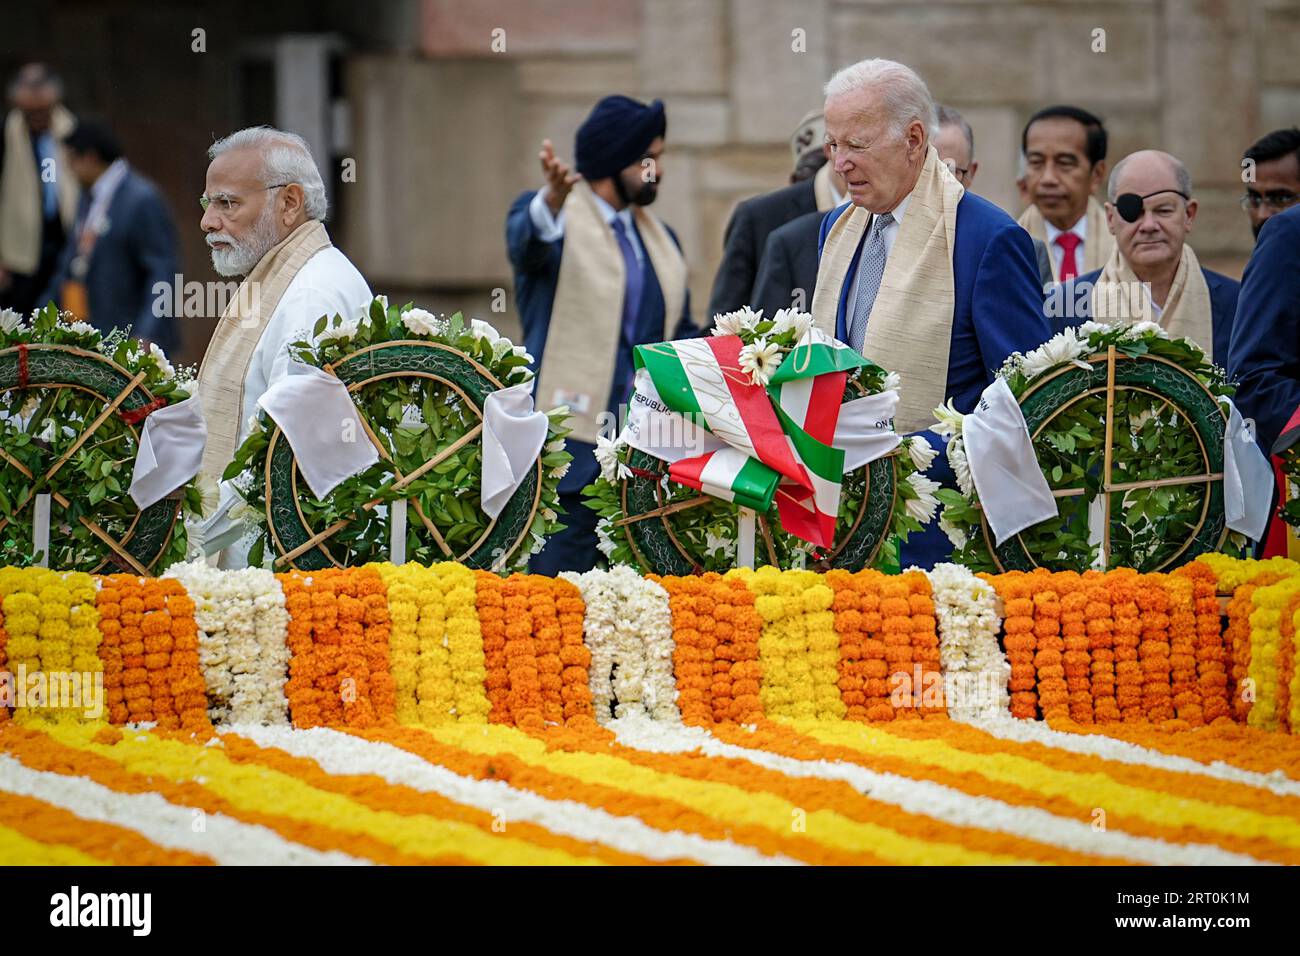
<point>1152,274</point>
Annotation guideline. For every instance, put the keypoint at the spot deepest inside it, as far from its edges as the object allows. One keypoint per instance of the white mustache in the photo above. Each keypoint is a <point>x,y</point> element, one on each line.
<point>214,237</point>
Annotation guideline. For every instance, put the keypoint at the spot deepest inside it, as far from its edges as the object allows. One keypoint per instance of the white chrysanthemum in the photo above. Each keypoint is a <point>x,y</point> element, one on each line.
<point>923,506</point>
<point>559,471</point>
<point>1143,329</point>
<point>520,350</point>
<point>164,366</point>
<point>960,466</point>
<point>1090,327</point>
<point>344,330</point>
<point>483,330</point>
<point>422,322</point>
<point>734,323</point>
<point>209,494</point>
<point>81,328</point>
<point>787,320</point>
<point>920,451</point>
<point>10,320</point>
<point>607,457</point>
<point>549,515</point>
<point>760,359</point>
<point>604,543</point>
<point>949,420</point>
<point>382,300</point>
<point>1058,350</point>
<point>893,382</point>
<point>954,533</point>
<point>714,543</point>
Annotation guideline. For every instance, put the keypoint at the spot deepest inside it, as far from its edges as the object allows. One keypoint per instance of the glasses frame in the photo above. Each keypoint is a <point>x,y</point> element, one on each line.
<point>205,202</point>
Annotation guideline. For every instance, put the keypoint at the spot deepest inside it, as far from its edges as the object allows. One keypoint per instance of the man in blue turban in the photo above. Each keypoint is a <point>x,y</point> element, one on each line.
<point>596,274</point>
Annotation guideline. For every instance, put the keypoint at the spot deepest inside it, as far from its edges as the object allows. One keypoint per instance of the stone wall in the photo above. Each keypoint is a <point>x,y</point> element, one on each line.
<point>1200,78</point>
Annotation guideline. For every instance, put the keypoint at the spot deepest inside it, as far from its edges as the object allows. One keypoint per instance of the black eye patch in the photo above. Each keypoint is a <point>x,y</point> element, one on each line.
<point>1129,205</point>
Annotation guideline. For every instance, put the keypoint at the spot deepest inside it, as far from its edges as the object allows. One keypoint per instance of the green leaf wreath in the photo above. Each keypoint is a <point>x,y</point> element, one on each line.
<point>1153,439</point>
<point>40,422</point>
<point>415,419</point>
<point>707,532</point>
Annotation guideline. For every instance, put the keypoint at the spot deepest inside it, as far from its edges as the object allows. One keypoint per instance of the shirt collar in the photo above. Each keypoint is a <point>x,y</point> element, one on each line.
<point>610,213</point>
<point>1080,229</point>
<point>900,209</point>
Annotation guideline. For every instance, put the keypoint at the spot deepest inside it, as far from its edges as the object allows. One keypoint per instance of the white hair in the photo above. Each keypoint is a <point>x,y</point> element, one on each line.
<point>1181,173</point>
<point>905,95</point>
<point>286,158</point>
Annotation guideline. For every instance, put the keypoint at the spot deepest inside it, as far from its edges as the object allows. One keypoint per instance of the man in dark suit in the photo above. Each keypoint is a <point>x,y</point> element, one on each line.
<point>787,271</point>
<point>754,220</point>
<point>1264,355</point>
<point>1275,184</point>
<point>1150,213</point>
<point>961,292</point>
<point>119,263</point>
<point>38,193</point>
<point>596,274</point>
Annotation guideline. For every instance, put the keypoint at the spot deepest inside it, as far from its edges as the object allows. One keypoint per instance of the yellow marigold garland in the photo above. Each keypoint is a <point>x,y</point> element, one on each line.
<point>52,629</point>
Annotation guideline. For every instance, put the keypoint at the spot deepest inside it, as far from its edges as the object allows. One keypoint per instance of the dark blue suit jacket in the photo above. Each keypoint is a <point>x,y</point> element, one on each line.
<point>997,310</point>
<point>1264,355</point>
<point>789,262</point>
<point>1071,306</point>
<point>536,266</point>
<point>136,252</point>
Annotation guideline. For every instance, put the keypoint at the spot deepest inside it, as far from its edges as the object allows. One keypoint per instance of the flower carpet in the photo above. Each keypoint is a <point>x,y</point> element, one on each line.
<point>440,715</point>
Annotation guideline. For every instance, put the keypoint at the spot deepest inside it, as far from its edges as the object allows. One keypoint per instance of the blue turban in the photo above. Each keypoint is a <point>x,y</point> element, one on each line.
<point>616,134</point>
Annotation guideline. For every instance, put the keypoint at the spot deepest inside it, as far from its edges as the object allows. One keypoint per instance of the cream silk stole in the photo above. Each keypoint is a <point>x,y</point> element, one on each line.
<point>20,191</point>
<point>1120,296</point>
<point>577,365</point>
<point>1096,250</point>
<point>910,327</point>
<point>225,364</point>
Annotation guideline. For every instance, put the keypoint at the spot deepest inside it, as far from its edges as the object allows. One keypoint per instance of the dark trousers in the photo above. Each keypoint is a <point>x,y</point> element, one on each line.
<point>574,548</point>
<point>24,292</point>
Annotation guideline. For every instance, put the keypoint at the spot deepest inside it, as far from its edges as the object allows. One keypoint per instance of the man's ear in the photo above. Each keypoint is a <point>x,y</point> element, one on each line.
<point>293,199</point>
<point>1112,218</point>
<point>1192,206</point>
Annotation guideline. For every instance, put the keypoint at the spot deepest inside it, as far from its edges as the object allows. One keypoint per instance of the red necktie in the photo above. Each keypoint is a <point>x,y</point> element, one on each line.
<point>1068,242</point>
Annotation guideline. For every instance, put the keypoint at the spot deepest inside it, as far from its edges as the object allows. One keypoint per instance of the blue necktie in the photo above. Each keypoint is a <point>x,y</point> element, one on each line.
<point>634,280</point>
<point>871,269</point>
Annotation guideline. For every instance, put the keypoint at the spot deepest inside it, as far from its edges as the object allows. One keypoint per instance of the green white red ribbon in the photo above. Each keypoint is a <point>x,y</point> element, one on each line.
<point>757,444</point>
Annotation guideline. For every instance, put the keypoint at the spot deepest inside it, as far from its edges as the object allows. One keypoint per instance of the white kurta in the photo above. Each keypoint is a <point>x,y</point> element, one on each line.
<point>328,284</point>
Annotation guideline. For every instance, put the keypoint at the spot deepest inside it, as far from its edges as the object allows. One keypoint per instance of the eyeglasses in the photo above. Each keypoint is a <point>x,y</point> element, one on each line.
<point>1275,201</point>
<point>225,203</point>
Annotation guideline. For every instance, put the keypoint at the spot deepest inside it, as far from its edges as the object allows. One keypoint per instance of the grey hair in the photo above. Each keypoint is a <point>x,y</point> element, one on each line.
<point>950,117</point>
<point>905,94</point>
<point>286,158</point>
<point>1180,173</point>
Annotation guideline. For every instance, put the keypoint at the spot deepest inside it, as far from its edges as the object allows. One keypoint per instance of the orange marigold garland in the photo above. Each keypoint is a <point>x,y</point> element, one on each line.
<point>1120,595</point>
<point>1189,703</point>
<point>1155,649</point>
<point>524,697</point>
<point>925,646</point>
<point>1016,589</point>
<point>1049,656</point>
<point>575,659</point>
<point>695,649</point>
<point>338,636</point>
<point>489,598</point>
<point>862,658</point>
<point>1213,651</point>
<point>1110,609</point>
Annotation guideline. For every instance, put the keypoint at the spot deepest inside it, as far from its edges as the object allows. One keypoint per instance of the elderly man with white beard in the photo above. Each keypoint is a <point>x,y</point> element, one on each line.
<point>263,207</point>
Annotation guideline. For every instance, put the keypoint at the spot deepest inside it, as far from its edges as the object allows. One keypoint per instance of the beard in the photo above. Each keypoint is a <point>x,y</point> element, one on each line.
<point>244,254</point>
<point>640,193</point>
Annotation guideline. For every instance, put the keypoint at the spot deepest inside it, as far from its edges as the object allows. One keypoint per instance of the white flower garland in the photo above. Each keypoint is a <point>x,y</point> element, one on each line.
<point>243,641</point>
<point>628,629</point>
<point>975,669</point>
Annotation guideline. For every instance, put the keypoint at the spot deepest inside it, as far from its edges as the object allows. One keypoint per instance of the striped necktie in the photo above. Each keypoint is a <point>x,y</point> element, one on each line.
<point>871,269</point>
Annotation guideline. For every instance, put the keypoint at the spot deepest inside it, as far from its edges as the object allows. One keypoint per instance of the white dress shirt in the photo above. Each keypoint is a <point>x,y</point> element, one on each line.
<point>550,228</point>
<point>890,235</point>
<point>1080,229</point>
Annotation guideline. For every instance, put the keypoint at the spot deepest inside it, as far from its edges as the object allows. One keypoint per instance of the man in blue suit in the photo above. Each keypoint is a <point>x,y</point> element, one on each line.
<point>596,274</point>
<point>119,263</point>
<point>1264,355</point>
<point>1152,273</point>
<point>936,283</point>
